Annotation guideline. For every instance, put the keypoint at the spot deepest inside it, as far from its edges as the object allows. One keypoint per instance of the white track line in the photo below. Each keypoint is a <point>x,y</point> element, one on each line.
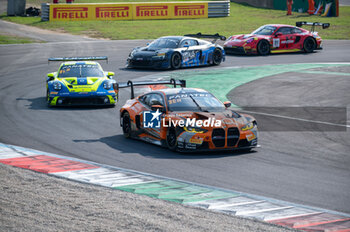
<point>298,119</point>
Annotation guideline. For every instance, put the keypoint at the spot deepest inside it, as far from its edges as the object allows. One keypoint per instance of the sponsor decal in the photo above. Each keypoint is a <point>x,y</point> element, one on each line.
<point>196,140</point>
<point>250,137</point>
<point>287,41</point>
<point>189,10</point>
<point>70,13</point>
<point>112,12</point>
<point>188,55</point>
<point>125,11</point>
<point>186,95</point>
<point>152,11</point>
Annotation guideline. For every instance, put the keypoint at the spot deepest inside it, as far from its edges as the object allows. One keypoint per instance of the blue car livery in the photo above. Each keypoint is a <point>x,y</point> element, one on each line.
<point>178,52</point>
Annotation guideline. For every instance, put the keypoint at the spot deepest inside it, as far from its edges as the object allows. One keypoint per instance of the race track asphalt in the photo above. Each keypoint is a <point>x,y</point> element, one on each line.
<point>303,167</point>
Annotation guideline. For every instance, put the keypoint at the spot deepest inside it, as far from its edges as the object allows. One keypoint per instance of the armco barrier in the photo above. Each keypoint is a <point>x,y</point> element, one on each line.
<point>45,12</point>
<point>134,11</point>
<point>259,3</point>
<point>218,9</point>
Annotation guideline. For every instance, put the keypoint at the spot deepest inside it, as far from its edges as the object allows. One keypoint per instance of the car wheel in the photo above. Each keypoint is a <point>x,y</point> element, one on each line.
<point>309,45</point>
<point>217,56</point>
<point>126,125</point>
<point>175,61</point>
<point>263,47</point>
<point>48,98</point>
<point>171,139</point>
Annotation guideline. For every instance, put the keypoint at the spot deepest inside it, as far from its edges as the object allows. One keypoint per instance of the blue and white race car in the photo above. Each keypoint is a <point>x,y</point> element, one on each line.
<point>178,51</point>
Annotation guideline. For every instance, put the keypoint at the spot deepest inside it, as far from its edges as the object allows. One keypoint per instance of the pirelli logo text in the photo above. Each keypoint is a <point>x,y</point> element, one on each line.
<point>191,10</point>
<point>128,11</point>
<point>152,11</point>
<point>113,12</point>
<point>70,13</point>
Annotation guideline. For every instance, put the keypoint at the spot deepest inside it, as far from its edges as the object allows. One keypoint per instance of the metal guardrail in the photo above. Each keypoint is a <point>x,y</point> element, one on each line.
<point>218,9</point>
<point>45,12</point>
<point>215,9</point>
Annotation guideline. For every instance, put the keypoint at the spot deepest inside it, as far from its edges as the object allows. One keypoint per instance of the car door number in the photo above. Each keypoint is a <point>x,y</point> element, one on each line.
<point>276,43</point>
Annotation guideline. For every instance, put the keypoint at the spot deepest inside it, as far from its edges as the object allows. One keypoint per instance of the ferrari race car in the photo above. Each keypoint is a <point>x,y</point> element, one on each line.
<point>80,81</point>
<point>276,38</point>
<point>185,119</point>
<point>178,51</point>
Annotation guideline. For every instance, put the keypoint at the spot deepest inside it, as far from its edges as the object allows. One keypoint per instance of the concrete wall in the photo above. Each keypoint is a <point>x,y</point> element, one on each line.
<point>257,3</point>
<point>16,7</point>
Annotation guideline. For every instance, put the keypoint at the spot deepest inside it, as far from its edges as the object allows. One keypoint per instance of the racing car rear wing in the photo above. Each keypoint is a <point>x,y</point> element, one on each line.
<point>131,84</point>
<point>200,35</point>
<point>78,58</point>
<point>324,25</point>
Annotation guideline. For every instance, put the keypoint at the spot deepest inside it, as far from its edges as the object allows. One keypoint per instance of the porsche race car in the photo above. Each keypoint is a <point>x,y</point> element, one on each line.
<point>178,51</point>
<point>185,119</point>
<point>80,81</point>
<point>276,38</point>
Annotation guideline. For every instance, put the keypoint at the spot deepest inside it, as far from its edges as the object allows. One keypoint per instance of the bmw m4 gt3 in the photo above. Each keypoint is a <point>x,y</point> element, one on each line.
<point>186,119</point>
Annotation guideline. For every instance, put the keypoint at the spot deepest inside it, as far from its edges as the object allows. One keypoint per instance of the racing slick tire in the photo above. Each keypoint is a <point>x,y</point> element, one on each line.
<point>217,56</point>
<point>263,47</point>
<point>309,45</point>
<point>175,61</point>
<point>126,125</point>
<point>171,139</point>
<point>48,98</point>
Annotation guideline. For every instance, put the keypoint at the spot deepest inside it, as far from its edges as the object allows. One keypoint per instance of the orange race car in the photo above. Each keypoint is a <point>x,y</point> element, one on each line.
<point>185,119</point>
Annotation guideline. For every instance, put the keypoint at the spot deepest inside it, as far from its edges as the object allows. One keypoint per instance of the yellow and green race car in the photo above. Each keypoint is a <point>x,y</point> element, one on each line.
<point>80,81</point>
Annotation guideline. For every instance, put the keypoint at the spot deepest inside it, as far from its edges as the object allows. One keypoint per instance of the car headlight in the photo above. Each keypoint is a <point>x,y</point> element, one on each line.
<point>194,129</point>
<point>107,85</point>
<point>249,126</point>
<point>57,85</point>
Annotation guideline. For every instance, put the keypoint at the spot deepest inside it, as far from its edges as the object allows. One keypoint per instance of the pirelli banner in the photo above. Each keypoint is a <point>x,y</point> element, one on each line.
<point>128,11</point>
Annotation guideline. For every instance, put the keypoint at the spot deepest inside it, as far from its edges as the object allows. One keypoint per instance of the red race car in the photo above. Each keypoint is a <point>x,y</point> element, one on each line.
<point>276,38</point>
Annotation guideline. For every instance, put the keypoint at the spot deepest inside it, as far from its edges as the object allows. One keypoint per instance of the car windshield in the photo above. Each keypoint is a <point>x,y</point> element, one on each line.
<point>81,70</point>
<point>264,30</point>
<point>164,43</point>
<point>195,101</point>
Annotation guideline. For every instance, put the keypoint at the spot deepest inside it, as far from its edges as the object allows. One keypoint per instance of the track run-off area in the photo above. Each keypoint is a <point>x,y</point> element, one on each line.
<point>300,102</point>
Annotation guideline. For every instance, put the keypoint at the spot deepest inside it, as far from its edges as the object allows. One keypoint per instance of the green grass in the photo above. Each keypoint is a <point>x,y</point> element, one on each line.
<point>243,19</point>
<point>7,39</point>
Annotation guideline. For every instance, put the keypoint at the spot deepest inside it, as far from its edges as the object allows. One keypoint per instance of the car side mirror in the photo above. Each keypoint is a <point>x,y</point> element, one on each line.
<point>147,44</point>
<point>227,104</point>
<point>158,107</point>
<point>110,75</point>
<point>186,46</point>
<point>278,34</point>
<point>50,76</point>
